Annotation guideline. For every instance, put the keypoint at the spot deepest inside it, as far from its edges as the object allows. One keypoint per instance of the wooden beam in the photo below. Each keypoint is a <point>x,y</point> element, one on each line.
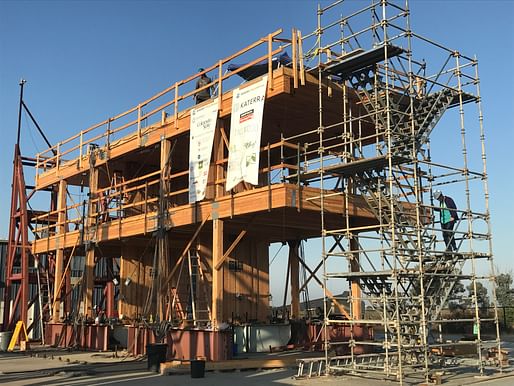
<point>320,264</point>
<point>179,367</point>
<point>58,288</point>
<point>230,249</point>
<point>183,254</point>
<point>225,140</point>
<point>255,201</point>
<point>328,292</point>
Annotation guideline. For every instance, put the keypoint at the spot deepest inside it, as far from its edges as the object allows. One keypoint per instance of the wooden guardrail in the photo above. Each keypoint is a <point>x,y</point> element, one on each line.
<point>132,121</point>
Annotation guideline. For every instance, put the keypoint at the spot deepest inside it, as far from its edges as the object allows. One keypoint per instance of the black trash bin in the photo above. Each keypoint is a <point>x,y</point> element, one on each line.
<point>197,368</point>
<point>156,353</point>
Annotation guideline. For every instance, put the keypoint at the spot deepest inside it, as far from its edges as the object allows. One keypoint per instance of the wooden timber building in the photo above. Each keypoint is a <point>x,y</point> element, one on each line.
<point>344,156</point>
<point>144,244</point>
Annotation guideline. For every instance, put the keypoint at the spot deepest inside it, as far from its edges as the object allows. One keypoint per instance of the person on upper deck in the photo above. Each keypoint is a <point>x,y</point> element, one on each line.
<point>202,81</point>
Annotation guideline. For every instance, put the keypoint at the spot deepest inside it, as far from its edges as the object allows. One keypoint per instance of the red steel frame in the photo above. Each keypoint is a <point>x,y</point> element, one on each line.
<point>18,250</point>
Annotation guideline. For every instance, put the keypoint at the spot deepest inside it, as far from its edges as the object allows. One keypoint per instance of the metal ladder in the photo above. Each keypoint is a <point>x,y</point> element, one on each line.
<point>311,367</point>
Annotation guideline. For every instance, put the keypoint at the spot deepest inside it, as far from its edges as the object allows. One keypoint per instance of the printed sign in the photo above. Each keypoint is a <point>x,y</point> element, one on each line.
<point>201,137</point>
<point>245,134</point>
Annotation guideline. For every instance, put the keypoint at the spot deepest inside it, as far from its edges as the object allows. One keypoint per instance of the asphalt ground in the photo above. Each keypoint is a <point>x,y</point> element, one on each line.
<point>52,367</point>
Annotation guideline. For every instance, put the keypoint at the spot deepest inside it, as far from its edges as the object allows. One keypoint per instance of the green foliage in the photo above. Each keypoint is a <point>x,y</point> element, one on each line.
<point>504,290</point>
<point>505,297</point>
<point>481,295</point>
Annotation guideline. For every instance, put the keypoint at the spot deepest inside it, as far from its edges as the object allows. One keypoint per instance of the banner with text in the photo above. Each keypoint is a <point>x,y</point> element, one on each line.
<point>201,137</point>
<point>245,134</point>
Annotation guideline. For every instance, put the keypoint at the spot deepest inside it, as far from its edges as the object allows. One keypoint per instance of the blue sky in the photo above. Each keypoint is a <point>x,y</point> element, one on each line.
<point>87,60</point>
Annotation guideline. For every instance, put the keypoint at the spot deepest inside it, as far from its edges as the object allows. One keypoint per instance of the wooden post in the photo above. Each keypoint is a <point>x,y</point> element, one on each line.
<point>81,151</point>
<point>270,62</point>
<point>355,289</point>
<point>220,84</point>
<point>294,48</point>
<point>139,123</point>
<point>89,268</point>
<point>165,162</point>
<point>217,274</point>
<point>294,265</point>
<point>217,232</point>
<point>300,57</point>
<point>163,264</point>
<point>175,106</point>
<point>59,253</point>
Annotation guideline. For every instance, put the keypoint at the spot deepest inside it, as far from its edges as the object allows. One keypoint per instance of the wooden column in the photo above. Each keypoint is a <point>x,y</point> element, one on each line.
<point>59,253</point>
<point>91,231</point>
<point>219,146</point>
<point>294,271</point>
<point>124,274</point>
<point>217,274</point>
<point>355,289</point>
<point>163,256</point>
<point>217,232</point>
<point>109,292</point>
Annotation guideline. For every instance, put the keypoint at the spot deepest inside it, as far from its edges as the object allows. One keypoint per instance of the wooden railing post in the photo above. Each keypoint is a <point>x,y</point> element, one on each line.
<point>81,146</point>
<point>300,57</point>
<point>139,123</point>
<point>294,48</point>
<point>175,114</point>
<point>220,84</point>
<point>270,62</point>
<point>108,139</point>
<point>57,158</point>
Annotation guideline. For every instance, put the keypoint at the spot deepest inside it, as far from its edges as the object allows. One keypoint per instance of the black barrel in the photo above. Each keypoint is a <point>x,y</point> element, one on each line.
<point>156,353</point>
<point>197,368</point>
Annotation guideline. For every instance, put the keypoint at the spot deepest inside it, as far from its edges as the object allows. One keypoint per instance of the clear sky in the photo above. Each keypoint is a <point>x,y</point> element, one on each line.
<point>88,60</point>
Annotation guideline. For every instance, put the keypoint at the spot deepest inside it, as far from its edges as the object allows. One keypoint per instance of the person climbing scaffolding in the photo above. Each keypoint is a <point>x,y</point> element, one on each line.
<point>448,215</point>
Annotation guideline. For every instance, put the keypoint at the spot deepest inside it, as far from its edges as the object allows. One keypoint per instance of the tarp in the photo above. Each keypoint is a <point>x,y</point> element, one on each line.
<point>260,68</point>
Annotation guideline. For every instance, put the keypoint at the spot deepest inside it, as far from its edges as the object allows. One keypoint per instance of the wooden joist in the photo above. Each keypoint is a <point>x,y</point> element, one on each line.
<point>181,367</point>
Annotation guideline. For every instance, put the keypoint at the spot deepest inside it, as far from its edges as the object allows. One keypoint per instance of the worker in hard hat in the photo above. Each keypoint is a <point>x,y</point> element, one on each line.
<point>202,81</point>
<point>448,215</point>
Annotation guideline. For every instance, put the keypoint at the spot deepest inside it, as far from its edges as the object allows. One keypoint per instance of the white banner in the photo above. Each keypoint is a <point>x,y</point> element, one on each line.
<point>245,134</point>
<point>201,137</point>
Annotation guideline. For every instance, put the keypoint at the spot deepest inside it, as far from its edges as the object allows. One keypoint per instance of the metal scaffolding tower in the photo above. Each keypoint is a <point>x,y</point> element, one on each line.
<point>379,149</point>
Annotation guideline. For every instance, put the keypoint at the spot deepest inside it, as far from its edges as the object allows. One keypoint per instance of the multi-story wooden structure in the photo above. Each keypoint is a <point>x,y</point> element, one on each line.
<point>344,156</point>
<point>149,254</point>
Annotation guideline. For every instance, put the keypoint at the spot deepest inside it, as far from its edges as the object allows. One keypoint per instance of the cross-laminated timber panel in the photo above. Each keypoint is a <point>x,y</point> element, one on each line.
<point>266,202</point>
